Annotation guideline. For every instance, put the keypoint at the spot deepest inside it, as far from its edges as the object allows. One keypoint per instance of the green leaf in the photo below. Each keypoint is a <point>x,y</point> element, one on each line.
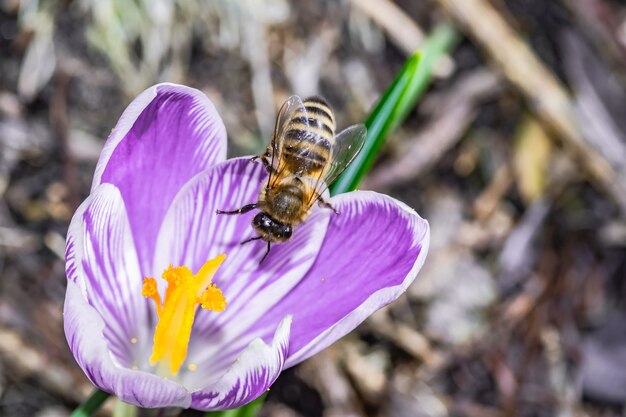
<point>248,410</point>
<point>395,105</point>
<point>91,404</point>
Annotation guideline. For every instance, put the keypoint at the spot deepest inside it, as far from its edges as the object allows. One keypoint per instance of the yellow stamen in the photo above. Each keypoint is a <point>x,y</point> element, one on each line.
<point>185,291</point>
<point>212,299</point>
<point>150,291</point>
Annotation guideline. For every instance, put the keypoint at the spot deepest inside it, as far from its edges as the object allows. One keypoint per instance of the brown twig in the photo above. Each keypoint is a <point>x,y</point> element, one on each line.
<point>407,338</point>
<point>544,93</point>
<point>60,125</point>
<point>338,394</point>
<point>488,200</point>
<point>28,361</point>
<point>401,29</point>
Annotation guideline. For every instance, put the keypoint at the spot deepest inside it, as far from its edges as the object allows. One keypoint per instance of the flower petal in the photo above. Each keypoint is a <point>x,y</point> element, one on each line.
<point>371,253</point>
<point>253,372</point>
<point>101,259</point>
<point>166,136</point>
<point>84,328</point>
<point>192,233</point>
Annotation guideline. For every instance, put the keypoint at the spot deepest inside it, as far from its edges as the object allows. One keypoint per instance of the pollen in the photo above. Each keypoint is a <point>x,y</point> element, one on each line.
<point>149,290</point>
<point>212,299</point>
<point>185,292</point>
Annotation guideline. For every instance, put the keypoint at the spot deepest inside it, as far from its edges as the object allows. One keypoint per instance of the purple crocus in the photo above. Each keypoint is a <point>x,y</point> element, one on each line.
<point>219,335</point>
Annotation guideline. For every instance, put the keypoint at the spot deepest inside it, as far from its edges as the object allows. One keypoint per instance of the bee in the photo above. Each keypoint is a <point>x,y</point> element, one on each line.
<point>303,158</point>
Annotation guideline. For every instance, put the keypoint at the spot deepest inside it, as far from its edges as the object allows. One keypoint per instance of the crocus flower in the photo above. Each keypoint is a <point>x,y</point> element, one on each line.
<point>165,308</point>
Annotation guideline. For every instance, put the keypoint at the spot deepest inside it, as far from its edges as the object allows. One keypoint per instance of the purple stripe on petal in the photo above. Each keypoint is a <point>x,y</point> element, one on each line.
<point>165,137</point>
<point>70,258</point>
<point>253,372</point>
<point>371,253</point>
<point>83,329</point>
<point>192,233</point>
<point>74,244</point>
<point>102,260</point>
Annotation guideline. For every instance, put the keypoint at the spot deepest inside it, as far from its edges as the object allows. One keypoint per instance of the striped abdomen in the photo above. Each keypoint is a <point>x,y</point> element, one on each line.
<point>309,138</point>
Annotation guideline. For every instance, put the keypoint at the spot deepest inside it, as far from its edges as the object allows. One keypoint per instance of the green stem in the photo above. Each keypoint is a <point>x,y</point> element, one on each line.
<point>396,104</point>
<point>123,409</point>
<point>91,404</point>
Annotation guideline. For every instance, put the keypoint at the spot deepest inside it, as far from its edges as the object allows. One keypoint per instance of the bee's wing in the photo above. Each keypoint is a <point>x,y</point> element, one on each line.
<point>348,144</point>
<point>291,106</point>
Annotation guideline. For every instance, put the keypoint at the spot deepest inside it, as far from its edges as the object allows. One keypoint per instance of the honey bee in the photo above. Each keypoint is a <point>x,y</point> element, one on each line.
<point>303,158</point>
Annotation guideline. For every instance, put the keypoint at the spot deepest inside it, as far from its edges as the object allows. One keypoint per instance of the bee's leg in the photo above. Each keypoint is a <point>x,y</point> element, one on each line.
<point>250,240</point>
<point>264,156</point>
<point>265,159</point>
<point>324,203</point>
<point>268,167</point>
<point>266,253</point>
<point>242,210</point>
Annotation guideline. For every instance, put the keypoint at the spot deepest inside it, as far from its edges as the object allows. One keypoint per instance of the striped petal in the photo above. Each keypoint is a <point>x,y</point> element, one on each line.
<point>84,328</point>
<point>104,312</point>
<point>371,253</point>
<point>251,374</point>
<point>101,259</point>
<point>166,136</point>
<point>192,233</point>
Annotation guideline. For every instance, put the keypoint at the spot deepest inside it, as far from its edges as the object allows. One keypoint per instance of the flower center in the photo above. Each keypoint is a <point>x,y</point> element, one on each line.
<point>185,291</point>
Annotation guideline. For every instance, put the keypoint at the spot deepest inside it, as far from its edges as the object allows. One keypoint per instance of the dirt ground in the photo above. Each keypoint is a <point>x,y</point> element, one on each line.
<point>516,155</point>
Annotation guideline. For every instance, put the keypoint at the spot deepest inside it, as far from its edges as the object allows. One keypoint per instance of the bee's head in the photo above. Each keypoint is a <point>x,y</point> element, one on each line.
<point>271,230</point>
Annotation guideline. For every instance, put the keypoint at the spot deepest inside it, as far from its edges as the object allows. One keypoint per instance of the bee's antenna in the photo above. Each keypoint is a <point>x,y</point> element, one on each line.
<point>266,253</point>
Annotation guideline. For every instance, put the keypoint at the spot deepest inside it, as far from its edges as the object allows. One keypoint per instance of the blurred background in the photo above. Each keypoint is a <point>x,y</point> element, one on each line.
<point>516,155</point>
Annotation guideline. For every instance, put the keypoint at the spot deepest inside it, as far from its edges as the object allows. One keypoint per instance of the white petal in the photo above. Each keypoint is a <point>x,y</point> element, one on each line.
<point>254,371</point>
